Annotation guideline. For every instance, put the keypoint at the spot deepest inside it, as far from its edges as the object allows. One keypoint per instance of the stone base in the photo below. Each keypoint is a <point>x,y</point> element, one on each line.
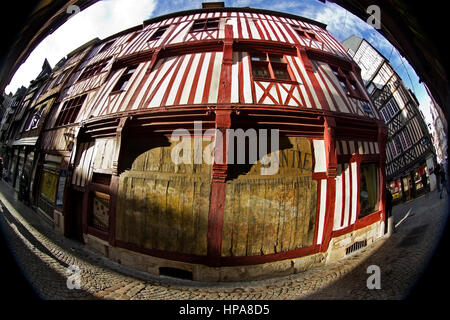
<point>58,221</point>
<point>204,273</point>
<point>338,245</point>
<point>152,265</point>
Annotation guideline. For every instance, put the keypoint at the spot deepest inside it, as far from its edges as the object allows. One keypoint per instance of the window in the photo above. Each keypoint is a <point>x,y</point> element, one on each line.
<point>396,146</point>
<point>132,37</point>
<point>385,115</point>
<point>368,196</point>
<point>106,46</point>
<point>347,83</point>
<point>304,33</point>
<point>99,217</point>
<point>60,79</point>
<point>269,66</point>
<point>33,121</point>
<point>124,79</point>
<point>405,139</point>
<point>158,34</point>
<point>93,69</point>
<point>205,25</point>
<point>392,107</point>
<point>69,111</point>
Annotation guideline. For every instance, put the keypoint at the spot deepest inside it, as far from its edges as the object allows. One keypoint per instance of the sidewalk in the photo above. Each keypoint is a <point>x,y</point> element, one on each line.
<point>45,256</point>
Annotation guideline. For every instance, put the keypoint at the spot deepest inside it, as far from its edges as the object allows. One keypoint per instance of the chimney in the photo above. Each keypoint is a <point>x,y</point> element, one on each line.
<point>210,5</point>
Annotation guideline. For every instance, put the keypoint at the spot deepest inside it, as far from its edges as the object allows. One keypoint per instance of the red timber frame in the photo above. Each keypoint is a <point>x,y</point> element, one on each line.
<point>291,121</point>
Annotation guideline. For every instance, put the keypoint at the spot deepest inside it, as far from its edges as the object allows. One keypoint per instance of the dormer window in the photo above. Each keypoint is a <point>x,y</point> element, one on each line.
<point>304,32</point>
<point>124,79</point>
<point>205,25</point>
<point>106,46</point>
<point>159,33</point>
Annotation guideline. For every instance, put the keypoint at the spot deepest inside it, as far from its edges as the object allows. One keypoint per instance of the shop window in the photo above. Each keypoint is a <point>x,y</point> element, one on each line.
<point>124,79</point>
<point>158,34</point>
<point>93,69</point>
<point>369,192</point>
<point>269,66</point>
<point>48,188</point>
<point>69,111</point>
<point>205,25</point>
<point>99,217</point>
<point>347,82</point>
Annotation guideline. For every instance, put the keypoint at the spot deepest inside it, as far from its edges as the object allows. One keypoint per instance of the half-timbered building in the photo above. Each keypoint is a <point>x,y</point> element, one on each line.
<point>23,134</point>
<point>58,134</point>
<point>409,150</point>
<point>212,72</point>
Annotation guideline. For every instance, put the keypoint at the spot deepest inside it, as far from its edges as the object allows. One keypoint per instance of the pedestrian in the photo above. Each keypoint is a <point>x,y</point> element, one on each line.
<point>424,179</point>
<point>437,173</point>
<point>444,182</point>
<point>388,207</point>
<point>1,168</point>
<point>23,188</point>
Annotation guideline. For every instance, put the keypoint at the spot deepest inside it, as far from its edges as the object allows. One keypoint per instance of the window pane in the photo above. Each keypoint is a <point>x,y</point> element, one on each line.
<point>343,84</point>
<point>258,57</point>
<point>369,189</point>
<point>199,25</point>
<point>281,73</point>
<point>212,25</point>
<point>158,34</point>
<point>260,71</point>
<point>276,58</point>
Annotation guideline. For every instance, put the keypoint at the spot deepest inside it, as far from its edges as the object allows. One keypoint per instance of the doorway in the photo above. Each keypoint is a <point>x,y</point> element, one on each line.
<point>74,213</point>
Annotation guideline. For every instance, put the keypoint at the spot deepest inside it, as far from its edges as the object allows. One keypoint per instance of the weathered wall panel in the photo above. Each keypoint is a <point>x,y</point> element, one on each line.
<point>274,213</point>
<point>162,205</point>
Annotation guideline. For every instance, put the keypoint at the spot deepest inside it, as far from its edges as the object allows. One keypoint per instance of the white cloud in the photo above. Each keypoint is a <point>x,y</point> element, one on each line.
<point>101,20</point>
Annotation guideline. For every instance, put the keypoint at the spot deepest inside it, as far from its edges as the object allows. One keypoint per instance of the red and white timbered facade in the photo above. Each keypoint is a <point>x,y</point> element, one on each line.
<point>229,68</point>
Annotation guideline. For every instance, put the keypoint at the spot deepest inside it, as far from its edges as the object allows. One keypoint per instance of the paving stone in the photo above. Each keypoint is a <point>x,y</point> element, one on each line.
<point>45,256</point>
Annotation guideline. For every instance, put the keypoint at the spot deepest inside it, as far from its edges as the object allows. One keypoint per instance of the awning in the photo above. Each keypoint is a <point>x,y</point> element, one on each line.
<point>31,141</point>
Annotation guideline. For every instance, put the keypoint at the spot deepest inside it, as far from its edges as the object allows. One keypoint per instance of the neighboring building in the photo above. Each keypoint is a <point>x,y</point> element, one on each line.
<point>409,150</point>
<point>10,108</point>
<point>109,179</point>
<point>21,147</point>
<point>439,130</point>
<point>59,132</point>
<point>5,102</point>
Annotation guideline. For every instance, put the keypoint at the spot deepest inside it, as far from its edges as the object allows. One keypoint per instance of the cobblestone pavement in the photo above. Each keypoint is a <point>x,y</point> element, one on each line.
<point>45,256</point>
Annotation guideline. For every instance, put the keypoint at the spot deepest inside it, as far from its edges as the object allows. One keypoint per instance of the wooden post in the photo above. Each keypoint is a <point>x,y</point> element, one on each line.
<point>114,185</point>
<point>219,170</point>
<point>218,190</point>
<point>382,138</point>
<point>331,161</point>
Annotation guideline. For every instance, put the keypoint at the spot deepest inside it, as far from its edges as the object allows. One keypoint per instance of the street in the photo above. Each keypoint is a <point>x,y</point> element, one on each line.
<point>45,257</point>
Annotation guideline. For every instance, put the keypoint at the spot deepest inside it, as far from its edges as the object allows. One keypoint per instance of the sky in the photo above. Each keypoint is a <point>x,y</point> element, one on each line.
<point>108,17</point>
